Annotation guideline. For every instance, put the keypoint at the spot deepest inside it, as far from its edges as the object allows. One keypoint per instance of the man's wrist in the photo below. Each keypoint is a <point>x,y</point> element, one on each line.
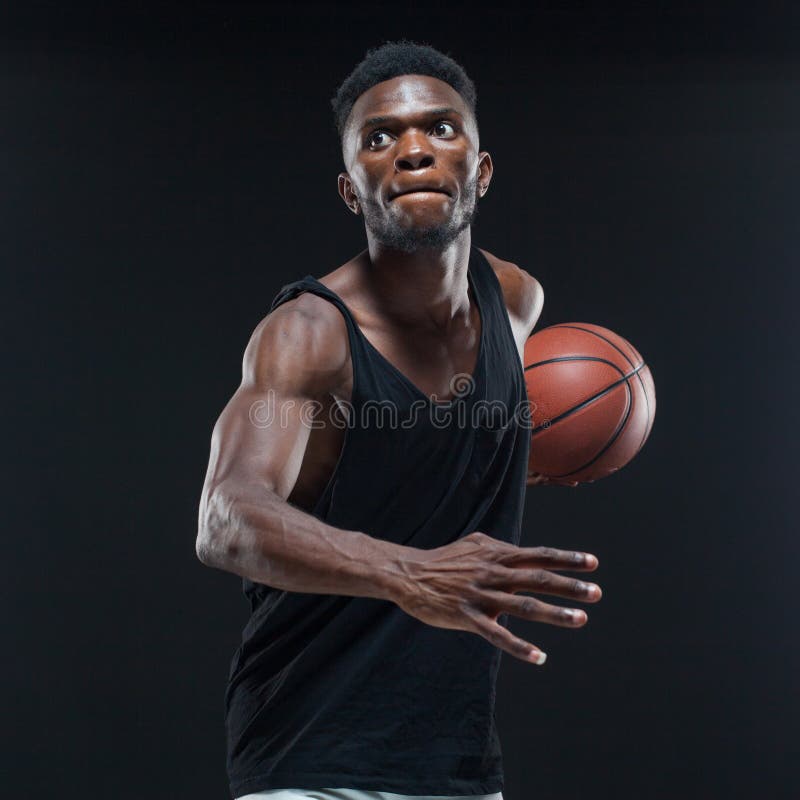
<point>383,565</point>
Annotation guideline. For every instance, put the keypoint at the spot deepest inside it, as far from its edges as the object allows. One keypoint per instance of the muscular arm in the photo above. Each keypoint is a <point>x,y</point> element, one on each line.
<point>297,355</point>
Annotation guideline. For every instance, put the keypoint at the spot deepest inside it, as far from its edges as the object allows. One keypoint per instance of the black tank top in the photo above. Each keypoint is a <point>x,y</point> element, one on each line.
<point>329,691</point>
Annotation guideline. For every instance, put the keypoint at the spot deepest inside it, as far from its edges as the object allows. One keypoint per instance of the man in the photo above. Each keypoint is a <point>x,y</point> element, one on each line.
<point>380,556</point>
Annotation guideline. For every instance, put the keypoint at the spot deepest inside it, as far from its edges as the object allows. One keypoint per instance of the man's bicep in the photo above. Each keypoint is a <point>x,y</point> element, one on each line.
<point>260,439</point>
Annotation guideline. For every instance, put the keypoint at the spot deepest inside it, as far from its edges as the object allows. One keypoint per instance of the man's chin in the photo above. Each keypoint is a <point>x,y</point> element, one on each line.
<point>409,239</point>
<point>420,240</point>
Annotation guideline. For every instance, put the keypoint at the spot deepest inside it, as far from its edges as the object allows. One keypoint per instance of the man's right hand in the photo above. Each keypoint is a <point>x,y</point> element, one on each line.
<point>537,479</point>
<point>467,584</point>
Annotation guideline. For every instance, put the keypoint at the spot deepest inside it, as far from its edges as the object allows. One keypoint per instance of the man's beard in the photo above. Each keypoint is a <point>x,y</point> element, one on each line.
<point>391,235</point>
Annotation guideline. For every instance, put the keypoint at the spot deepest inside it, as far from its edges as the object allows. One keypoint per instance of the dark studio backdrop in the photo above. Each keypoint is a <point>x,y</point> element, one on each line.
<point>166,170</point>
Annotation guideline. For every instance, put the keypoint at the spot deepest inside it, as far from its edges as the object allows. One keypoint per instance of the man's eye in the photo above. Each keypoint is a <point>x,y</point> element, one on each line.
<point>444,129</point>
<point>374,140</point>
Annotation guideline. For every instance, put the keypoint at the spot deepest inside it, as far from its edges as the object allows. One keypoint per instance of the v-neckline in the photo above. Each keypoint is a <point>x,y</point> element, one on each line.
<point>477,373</point>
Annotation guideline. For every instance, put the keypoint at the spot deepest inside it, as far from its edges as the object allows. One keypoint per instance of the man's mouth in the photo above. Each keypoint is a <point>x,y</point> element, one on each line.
<point>419,190</point>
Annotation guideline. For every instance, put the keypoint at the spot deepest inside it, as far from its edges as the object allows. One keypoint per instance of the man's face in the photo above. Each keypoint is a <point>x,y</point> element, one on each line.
<point>410,148</point>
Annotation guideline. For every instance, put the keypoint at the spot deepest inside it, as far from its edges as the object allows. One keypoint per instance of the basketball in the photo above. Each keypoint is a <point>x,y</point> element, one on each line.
<point>592,402</point>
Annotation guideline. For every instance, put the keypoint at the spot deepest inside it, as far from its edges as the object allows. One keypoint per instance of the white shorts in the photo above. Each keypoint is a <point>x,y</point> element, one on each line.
<point>358,794</point>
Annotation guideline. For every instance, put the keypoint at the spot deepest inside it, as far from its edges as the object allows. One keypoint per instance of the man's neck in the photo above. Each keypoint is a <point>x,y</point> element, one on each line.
<point>426,288</point>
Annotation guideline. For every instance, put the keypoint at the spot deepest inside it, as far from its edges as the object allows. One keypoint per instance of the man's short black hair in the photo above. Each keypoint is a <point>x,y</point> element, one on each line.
<point>391,59</point>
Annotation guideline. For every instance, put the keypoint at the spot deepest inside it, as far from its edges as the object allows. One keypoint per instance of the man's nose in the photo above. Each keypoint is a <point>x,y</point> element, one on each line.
<point>415,153</point>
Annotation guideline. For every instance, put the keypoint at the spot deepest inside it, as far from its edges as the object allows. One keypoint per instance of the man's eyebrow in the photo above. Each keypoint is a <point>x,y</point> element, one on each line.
<point>431,112</point>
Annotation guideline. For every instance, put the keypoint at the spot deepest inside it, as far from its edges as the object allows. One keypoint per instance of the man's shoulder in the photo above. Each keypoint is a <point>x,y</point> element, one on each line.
<point>307,332</point>
<point>523,294</point>
<point>311,313</point>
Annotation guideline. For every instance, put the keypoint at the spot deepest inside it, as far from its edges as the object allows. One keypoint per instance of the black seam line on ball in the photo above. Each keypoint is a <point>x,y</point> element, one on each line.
<point>574,358</point>
<point>620,426</point>
<point>627,358</point>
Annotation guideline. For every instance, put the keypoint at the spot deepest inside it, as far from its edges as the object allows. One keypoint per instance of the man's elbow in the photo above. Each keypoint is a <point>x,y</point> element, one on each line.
<point>216,550</point>
<point>215,545</point>
<point>204,549</point>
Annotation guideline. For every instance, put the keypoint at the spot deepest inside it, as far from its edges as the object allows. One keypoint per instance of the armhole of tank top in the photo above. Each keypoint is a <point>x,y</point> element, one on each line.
<point>324,498</point>
<point>503,309</point>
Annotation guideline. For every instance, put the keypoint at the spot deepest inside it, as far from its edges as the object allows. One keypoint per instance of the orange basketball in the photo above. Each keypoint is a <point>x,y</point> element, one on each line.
<point>592,401</point>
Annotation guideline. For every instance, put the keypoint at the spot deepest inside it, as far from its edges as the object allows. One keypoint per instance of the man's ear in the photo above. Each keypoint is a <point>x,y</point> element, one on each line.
<point>347,194</point>
<point>485,172</point>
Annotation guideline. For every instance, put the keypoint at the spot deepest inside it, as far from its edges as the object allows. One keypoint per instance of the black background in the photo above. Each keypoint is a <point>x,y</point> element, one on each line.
<point>166,169</point>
